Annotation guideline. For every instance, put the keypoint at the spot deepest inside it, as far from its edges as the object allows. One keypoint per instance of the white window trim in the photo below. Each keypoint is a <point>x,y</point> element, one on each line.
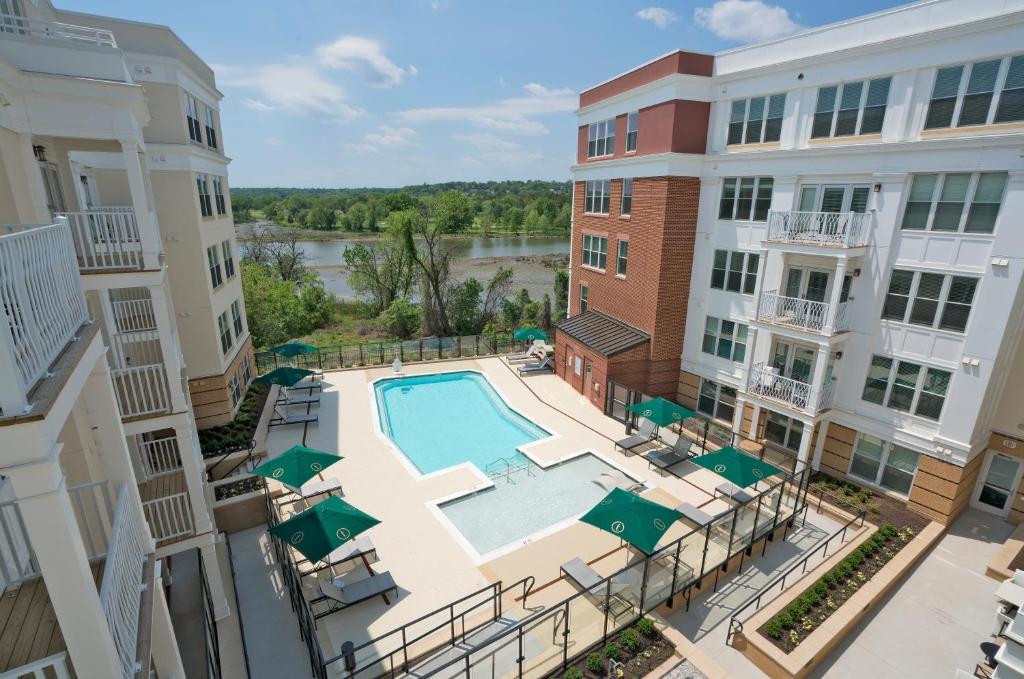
<point>965,77</point>
<point>746,119</point>
<point>634,130</point>
<point>940,182</point>
<point>622,198</point>
<point>718,399</point>
<point>744,272</point>
<point>918,386</point>
<point>605,186</point>
<point>947,283</point>
<point>860,107</point>
<point>596,127</point>
<point>619,257</point>
<point>593,252</point>
<point>886,450</point>
<point>732,338</point>
<point>790,422</point>
<point>736,200</point>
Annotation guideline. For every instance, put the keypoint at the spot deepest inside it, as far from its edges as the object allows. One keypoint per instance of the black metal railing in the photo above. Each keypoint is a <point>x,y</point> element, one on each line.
<point>384,353</point>
<point>223,455</point>
<point>211,641</point>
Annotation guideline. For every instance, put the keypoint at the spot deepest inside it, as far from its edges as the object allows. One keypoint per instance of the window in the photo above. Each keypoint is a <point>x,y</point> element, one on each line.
<point>229,260</point>
<point>906,386</point>
<point>785,431</point>
<point>627,197</point>
<point>621,256</point>
<point>601,138</point>
<point>883,463</point>
<point>246,372</point>
<point>966,94</point>
<point>203,185</point>
<point>930,299</point>
<point>211,131</point>
<point>595,251</point>
<point>746,198</point>
<point>218,195</point>
<point>598,196</point>
<point>735,271</point>
<point>584,293</point>
<point>725,339</point>
<point>192,118</point>
<point>860,110</point>
<point>937,202</point>
<point>236,317</point>
<point>753,121</point>
<point>225,332</point>
<point>716,400</point>
<point>236,390</point>
<point>216,279</point>
<point>632,121</point>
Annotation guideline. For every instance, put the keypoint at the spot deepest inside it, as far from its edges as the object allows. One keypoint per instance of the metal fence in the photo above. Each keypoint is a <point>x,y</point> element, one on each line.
<point>211,640</point>
<point>384,353</point>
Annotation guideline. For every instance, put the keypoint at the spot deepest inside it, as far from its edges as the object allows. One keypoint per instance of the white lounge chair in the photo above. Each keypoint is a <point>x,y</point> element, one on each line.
<point>337,594</point>
<point>543,366</point>
<point>611,480</point>
<point>535,350</point>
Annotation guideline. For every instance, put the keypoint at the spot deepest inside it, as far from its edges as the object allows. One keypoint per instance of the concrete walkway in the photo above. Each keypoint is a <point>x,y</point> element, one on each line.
<point>935,622</point>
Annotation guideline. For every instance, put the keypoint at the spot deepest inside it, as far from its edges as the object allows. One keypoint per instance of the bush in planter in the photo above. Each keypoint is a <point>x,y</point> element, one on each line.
<point>630,639</point>
<point>645,626</point>
<point>821,589</point>
<point>573,673</point>
<point>774,628</point>
<point>612,651</point>
<point>595,663</point>
<point>784,618</point>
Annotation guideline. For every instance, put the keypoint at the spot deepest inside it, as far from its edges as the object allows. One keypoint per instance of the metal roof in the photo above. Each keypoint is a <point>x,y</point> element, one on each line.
<point>602,333</point>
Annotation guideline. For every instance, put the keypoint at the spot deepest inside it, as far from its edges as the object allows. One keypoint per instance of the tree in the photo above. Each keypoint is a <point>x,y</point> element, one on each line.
<point>278,310</point>
<point>452,212</point>
<point>561,293</point>
<point>464,307</point>
<point>545,320</point>
<point>497,290</point>
<point>380,272</point>
<point>422,239</point>
<point>396,202</point>
<point>401,319</point>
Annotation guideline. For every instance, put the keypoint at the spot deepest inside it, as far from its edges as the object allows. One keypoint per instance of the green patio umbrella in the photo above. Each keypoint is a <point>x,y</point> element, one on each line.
<point>529,335</point>
<point>736,467</point>
<point>296,465</point>
<point>660,411</point>
<point>639,522</point>
<point>293,349</point>
<point>324,527</point>
<point>286,375</point>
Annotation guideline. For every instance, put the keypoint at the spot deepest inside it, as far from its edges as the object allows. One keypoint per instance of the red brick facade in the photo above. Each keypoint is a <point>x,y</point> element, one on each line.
<point>692,63</point>
<point>676,126</point>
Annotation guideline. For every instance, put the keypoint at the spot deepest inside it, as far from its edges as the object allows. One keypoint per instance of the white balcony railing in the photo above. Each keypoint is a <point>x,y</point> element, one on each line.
<point>106,238</point>
<point>42,299</point>
<point>804,314</point>
<point>122,584</point>
<point>844,229</point>
<point>765,381</point>
<point>19,25</point>
<point>133,315</point>
<point>160,457</point>
<point>142,390</point>
<point>169,517</point>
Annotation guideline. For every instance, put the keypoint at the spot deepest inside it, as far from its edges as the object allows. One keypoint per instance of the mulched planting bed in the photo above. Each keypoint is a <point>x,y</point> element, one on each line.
<point>237,434</point>
<point>641,649</point>
<point>880,508</point>
<point>236,488</point>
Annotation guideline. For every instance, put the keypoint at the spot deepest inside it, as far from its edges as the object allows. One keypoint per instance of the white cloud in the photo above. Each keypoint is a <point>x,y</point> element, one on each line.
<point>486,141</point>
<point>272,141</point>
<point>659,16</point>
<point>362,148</point>
<point>391,136</point>
<point>513,114</point>
<point>746,20</point>
<point>413,70</point>
<point>294,86</point>
<point>363,56</point>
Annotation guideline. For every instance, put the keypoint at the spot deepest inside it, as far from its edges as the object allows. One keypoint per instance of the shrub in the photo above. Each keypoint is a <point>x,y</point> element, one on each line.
<point>774,628</point>
<point>573,673</point>
<point>784,618</point>
<point>612,651</point>
<point>630,639</point>
<point>811,597</point>
<point>820,588</point>
<point>829,580</point>
<point>645,626</point>
<point>595,663</point>
<point>888,530</point>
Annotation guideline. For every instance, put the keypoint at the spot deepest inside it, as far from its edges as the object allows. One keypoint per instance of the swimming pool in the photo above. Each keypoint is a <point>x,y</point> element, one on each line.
<point>442,420</point>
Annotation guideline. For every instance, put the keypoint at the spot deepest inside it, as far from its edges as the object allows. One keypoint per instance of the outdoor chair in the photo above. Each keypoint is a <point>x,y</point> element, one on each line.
<point>338,595</point>
<point>663,458</point>
<point>542,366</point>
<point>584,578</point>
<point>281,418</point>
<point>734,493</point>
<point>536,350</point>
<point>361,548</point>
<point>645,433</point>
<point>610,480</point>
<point>288,399</point>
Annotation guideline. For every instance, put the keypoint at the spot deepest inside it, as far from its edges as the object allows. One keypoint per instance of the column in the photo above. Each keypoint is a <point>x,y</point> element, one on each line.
<point>805,441</point>
<point>833,301</point>
<point>737,419</point>
<point>755,418</point>
<point>817,379</point>
<point>148,233</point>
<point>168,346</point>
<point>34,210</point>
<point>54,535</point>
<point>211,565</point>
<point>195,477</point>
<point>163,643</point>
<point>819,445</point>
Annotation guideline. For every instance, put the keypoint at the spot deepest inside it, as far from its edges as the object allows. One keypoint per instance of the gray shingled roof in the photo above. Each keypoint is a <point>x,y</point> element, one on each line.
<point>602,333</point>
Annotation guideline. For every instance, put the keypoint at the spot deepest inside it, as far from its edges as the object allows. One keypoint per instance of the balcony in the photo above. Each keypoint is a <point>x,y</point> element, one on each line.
<point>766,382</point>
<point>803,314</point>
<point>142,390</point>
<point>106,239</point>
<point>825,229</point>
<point>42,298</point>
<point>43,46</point>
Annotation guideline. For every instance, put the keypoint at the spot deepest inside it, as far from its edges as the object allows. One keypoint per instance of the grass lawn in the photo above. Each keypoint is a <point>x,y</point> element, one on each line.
<point>352,324</point>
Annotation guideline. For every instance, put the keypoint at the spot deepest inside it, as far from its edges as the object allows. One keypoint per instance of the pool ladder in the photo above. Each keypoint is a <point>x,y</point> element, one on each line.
<point>505,467</point>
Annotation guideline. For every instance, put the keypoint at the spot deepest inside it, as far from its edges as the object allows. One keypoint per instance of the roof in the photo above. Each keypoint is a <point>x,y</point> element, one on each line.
<point>602,333</point>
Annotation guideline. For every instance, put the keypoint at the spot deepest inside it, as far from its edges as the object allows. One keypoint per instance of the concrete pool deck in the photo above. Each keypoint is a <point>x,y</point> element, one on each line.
<point>427,561</point>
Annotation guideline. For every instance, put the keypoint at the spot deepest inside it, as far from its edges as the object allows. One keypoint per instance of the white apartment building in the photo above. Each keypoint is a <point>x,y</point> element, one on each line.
<point>856,276</point>
<point>110,214</point>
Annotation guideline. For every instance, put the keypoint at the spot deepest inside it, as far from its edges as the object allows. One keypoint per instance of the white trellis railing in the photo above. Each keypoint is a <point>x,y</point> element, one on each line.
<point>848,229</point>
<point>142,390</point>
<point>106,238</point>
<point>792,311</point>
<point>51,667</point>
<point>169,517</point>
<point>42,302</point>
<point>766,382</point>
<point>122,585</point>
<point>160,456</point>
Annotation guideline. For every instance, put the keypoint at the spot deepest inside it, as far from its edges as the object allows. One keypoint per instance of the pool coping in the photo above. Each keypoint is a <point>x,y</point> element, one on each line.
<point>434,505</point>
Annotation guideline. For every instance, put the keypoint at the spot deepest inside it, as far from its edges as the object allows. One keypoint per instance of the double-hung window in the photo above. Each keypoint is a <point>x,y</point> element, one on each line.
<point>627,197</point>
<point>203,186</point>
<point>883,463</point>
<point>783,430</point>
<point>621,256</point>
<point>982,93</point>
<point>725,339</point>
<point>906,386</point>
<point>216,279</point>
<point>584,295</point>
<point>236,390</point>
<point>735,271</point>
<point>746,198</point>
<point>229,259</point>
<point>598,196</point>
<point>246,372</point>
<point>211,129</point>
<point>956,201</point>
<point>757,120</point>
<point>716,400</point>
<point>930,299</point>
<point>225,332</point>
<point>595,251</point>
<point>632,124</point>
<point>236,317</point>
<point>192,118</point>
<point>218,195</point>
<point>601,138</point>
<point>851,108</point>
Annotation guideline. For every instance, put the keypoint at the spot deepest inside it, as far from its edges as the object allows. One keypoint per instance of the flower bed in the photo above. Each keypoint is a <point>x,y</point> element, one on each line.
<point>641,649</point>
<point>249,484</point>
<point>239,433</point>
<point>787,628</point>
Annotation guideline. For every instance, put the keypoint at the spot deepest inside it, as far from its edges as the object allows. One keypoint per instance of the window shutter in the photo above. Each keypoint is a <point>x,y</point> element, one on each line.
<point>1011,101</point>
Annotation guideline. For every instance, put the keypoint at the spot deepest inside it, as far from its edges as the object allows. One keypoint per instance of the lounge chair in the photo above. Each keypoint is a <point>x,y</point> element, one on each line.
<point>616,479</point>
<point>695,514</point>
<point>579,574</point>
<point>361,548</point>
<point>542,366</point>
<point>644,434</point>
<point>338,595</point>
<point>288,399</point>
<point>663,458</point>
<point>280,418</point>
<point>536,350</point>
<point>734,493</point>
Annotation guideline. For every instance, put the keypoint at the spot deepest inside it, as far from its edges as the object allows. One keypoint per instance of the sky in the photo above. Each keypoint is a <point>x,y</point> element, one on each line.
<point>356,93</point>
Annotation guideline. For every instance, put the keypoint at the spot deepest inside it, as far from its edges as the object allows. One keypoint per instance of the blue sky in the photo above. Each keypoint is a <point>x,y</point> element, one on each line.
<point>347,93</point>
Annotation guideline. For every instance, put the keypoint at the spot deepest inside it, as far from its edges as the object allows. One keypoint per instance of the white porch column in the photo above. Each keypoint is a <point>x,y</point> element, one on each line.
<point>817,379</point>
<point>149,235</point>
<point>195,472</point>
<point>163,643</point>
<point>173,363</point>
<point>833,301</point>
<point>805,441</point>
<point>755,418</point>
<point>737,419</point>
<point>32,207</point>
<point>819,445</point>
<point>211,566</point>
<point>53,532</point>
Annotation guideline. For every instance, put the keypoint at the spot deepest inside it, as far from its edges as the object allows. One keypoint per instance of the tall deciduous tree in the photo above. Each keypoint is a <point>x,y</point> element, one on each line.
<point>452,211</point>
<point>381,272</point>
<point>423,241</point>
